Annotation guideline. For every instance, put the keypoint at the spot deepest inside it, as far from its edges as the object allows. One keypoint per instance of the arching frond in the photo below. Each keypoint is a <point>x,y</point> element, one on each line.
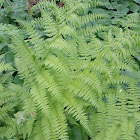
<point>72,70</point>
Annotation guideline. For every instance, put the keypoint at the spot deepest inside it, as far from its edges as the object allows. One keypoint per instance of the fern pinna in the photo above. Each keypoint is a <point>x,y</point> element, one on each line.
<point>73,71</point>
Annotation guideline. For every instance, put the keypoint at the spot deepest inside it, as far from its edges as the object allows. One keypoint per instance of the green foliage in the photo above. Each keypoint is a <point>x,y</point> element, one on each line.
<point>116,9</point>
<point>16,10</point>
<point>122,7</point>
<point>70,75</point>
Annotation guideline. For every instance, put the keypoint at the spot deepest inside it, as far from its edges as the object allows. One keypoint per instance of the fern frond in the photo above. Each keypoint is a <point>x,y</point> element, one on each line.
<point>48,130</point>
<point>76,110</point>
<point>39,46</point>
<point>45,4</point>
<point>46,80</point>
<point>78,91</point>
<point>137,117</point>
<point>37,22</point>
<point>91,80</point>
<point>59,121</point>
<point>49,24</point>
<point>7,77</point>
<point>92,29</point>
<point>5,67</point>
<point>101,67</point>
<point>113,133</point>
<point>128,129</point>
<point>91,17</point>
<point>38,131</point>
<point>61,45</point>
<point>76,71</point>
<point>56,63</point>
<point>39,95</point>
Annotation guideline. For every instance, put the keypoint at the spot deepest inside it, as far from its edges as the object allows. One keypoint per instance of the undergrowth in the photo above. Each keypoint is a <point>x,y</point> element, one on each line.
<point>70,75</point>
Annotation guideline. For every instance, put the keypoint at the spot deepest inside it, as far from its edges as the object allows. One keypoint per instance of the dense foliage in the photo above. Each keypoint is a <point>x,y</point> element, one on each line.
<point>70,72</point>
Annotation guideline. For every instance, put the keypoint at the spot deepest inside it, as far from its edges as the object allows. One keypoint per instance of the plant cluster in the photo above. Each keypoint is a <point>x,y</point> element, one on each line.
<point>70,75</point>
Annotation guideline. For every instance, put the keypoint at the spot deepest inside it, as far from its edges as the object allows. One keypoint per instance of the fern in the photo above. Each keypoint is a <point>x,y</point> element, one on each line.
<point>75,71</point>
